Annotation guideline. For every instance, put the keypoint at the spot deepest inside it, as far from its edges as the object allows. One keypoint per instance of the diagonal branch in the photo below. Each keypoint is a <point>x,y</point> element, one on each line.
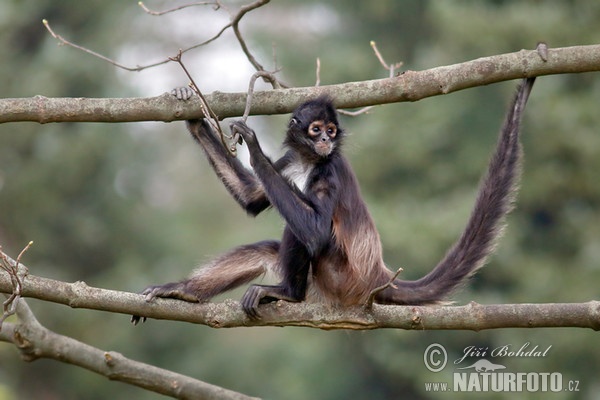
<point>12,269</point>
<point>410,86</point>
<point>35,341</point>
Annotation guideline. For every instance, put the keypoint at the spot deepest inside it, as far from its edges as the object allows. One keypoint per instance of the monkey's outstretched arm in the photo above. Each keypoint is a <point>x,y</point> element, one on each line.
<point>309,214</point>
<point>241,183</point>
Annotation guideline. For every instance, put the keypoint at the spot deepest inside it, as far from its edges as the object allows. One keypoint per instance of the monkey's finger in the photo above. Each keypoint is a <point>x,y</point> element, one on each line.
<point>250,302</point>
<point>150,296</point>
<point>135,319</point>
<point>182,93</point>
<point>236,137</point>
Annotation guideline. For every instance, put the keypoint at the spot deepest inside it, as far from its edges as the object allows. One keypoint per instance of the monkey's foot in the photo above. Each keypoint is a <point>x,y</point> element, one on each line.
<point>262,294</point>
<point>174,290</point>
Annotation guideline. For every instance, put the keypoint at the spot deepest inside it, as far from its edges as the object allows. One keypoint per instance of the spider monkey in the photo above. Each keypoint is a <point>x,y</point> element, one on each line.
<point>330,250</point>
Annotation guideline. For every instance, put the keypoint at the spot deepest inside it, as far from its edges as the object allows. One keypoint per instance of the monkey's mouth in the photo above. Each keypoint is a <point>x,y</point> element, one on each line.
<point>323,148</point>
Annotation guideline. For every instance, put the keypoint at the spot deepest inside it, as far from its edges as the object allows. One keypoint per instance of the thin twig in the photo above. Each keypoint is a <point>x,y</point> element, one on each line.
<point>318,72</point>
<point>274,51</point>
<point>64,41</point>
<point>234,20</point>
<point>377,290</point>
<point>233,24</point>
<point>200,3</point>
<point>391,67</point>
<point>23,252</point>
<point>356,113</point>
<point>264,74</point>
<point>10,305</point>
<point>209,114</point>
<point>235,136</point>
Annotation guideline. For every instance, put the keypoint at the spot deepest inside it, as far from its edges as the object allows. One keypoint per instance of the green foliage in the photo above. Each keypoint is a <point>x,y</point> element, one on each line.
<point>124,206</point>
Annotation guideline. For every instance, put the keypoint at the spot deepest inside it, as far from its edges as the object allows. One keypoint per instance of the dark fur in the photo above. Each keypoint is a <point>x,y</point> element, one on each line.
<point>330,250</point>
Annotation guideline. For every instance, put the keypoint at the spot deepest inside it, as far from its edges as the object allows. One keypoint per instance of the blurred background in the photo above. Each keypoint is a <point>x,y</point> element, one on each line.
<point>122,206</point>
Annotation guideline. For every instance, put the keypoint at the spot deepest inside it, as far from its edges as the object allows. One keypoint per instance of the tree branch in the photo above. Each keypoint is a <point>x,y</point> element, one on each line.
<point>409,86</point>
<point>215,5</point>
<point>34,341</point>
<point>235,19</point>
<point>230,314</point>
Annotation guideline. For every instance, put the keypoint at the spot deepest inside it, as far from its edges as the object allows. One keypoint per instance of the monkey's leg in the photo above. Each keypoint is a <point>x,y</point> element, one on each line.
<point>295,264</point>
<point>232,269</point>
<point>262,294</point>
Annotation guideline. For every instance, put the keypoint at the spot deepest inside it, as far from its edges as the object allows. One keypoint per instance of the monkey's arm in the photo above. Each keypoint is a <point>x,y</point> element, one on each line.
<point>241,183</point>
<point>309,215</point>
<point>245,188</point>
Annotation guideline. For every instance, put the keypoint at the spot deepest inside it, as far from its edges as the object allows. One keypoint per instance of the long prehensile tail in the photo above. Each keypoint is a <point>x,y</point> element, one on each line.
<point>495,200</point>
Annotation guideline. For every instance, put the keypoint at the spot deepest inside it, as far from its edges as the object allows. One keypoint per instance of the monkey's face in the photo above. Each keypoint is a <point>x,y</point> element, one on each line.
<point>313,130</point>
<point>313,140</point>
<point>323,136</point>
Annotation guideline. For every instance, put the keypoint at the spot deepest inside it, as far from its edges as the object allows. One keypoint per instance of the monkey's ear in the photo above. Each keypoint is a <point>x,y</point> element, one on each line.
<point>294,121</point>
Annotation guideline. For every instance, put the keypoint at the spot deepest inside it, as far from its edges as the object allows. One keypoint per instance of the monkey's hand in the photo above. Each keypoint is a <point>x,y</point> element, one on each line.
<point>239,128</point>
<point>183,93</point>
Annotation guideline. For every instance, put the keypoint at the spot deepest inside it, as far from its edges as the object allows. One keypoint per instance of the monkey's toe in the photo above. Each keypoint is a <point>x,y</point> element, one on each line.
<point>135,319</point>
<point>182,93</point>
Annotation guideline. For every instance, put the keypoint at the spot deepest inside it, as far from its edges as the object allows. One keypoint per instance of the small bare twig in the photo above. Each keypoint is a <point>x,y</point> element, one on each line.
<point>235,136</point>
<point>274,51</point>
<point>377,290</point>
<point>391,67</point>
<point>318,72</point>
<point>209,114</point>
<point>235,19</point>
<point>215,5</point>
<point>264,74</point>
<point>10,305</point>
<point>64,41</point>
<point>356,113</point>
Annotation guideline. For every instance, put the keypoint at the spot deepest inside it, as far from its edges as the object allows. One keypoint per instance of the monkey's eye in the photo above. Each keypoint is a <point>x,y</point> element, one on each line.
<point>316,129</point>
<point>329,131</point>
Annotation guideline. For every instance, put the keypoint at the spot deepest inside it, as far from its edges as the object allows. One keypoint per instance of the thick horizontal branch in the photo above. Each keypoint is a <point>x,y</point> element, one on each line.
<point>409,86</point>
<point>229,314</point>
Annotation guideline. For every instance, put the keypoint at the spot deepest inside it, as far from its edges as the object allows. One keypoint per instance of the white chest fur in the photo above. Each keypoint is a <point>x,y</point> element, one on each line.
<point>298,173</point>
